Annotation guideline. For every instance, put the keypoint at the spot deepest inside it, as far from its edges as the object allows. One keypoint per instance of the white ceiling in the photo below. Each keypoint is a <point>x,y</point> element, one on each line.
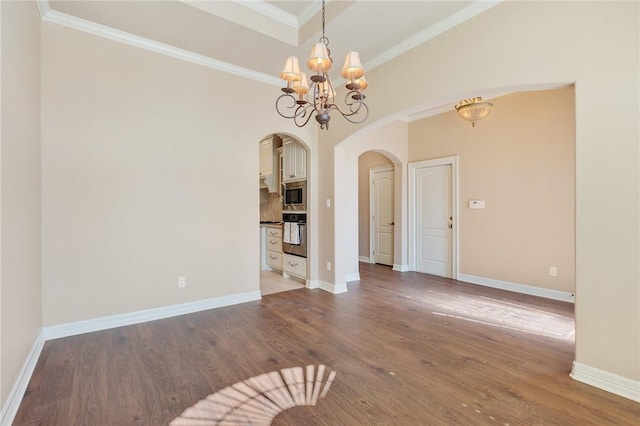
<point>253,37</point>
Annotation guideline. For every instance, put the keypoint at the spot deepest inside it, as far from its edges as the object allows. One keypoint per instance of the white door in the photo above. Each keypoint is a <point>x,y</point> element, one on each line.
<point>382,220</point>
<point>434,220</point>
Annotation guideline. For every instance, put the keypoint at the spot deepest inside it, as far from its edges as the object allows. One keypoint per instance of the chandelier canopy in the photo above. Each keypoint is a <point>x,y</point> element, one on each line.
<point>318,97</point>
<point>474,109</point>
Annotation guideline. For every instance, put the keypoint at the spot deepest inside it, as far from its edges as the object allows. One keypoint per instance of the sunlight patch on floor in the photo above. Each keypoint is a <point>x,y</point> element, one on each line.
<point>503,314</point>
<point>258,400</point>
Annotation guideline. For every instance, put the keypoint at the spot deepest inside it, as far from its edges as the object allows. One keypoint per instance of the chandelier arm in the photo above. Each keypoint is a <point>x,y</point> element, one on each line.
<point>301,113</point>
<point>292,106</point>
<point>350,101</point>
<point>353,113</point>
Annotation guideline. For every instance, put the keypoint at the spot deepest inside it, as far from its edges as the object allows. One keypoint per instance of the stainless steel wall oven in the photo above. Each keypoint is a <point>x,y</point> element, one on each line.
<point>294,234</point>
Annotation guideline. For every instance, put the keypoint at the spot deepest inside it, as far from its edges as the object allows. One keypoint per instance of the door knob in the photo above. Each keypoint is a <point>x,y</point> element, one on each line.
<point>391,223</point>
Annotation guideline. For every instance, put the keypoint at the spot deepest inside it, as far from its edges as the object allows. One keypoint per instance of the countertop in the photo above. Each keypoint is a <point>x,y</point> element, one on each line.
<point>271,224</point>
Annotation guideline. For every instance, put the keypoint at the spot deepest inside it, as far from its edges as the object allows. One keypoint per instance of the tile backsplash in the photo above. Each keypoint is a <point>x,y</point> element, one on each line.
<point>270,206</point>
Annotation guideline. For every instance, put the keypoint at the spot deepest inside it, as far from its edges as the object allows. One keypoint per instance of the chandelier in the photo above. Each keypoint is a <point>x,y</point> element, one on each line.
<point>473,109</point>
<point>302,100</point>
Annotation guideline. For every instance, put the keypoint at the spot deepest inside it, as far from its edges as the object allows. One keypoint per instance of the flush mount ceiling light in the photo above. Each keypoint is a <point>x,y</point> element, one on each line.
<point>318,97</point>
<point>474,109</point>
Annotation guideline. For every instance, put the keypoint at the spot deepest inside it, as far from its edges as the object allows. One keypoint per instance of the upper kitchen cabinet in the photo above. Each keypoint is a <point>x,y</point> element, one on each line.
<point>294,160</point>
<point>266,157</point>
<point>269,164</point>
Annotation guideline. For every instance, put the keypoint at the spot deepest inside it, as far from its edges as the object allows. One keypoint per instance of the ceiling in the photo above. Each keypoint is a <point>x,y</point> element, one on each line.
<point>253,38</point>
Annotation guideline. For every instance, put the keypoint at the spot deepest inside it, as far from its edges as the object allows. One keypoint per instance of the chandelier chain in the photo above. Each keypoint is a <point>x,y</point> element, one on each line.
<point>324,39</point>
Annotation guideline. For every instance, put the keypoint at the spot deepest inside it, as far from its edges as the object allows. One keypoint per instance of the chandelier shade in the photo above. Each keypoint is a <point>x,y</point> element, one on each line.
<point>301,86</point>
<point>319,60</point>
<point>473,109</point>
<point>317,97</point>
<point>352,67</point>
<point>362,83</point>
<point>291,71</point>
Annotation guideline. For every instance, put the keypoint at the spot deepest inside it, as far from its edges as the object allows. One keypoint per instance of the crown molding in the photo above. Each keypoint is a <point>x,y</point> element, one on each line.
<point>458,18</point>
<point>309,13</point>
<point>271,12</point>
<point>265,9</point>
<point>43,7</point>
<point>110,33</point>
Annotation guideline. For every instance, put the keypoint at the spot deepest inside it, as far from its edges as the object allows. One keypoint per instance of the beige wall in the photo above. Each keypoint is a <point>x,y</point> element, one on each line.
<point>149,173</point>
<point>520,161</point>
<point>592,44</point>
<point>366,161</point>
<point>21,317</point>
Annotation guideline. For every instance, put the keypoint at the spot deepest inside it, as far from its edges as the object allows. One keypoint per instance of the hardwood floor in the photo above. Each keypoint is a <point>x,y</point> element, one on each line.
<point>407,349</point>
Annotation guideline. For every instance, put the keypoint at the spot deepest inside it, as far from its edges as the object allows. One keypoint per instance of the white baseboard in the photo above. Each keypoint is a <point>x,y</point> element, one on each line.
<point>10,408</point>
<point>312,284</point>
<point>352,277</point>
<point>365,259</point>
<point>103,323</point>
<point>400,268</point>
<point>333,288</point>
<point>519,288</point>
<point>606,381</point>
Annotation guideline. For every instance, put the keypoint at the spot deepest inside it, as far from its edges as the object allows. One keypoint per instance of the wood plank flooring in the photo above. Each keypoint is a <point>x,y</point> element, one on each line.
<point>408,349</point>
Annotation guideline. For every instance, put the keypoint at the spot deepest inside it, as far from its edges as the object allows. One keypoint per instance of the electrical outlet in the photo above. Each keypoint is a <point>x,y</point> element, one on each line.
<point>328,265</point>
<point>182,282</point>
<point>553,271</point>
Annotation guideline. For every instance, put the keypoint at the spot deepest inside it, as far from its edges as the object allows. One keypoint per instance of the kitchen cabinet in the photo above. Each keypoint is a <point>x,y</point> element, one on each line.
<point>269,165</point>
<point>294,160</point>
<point>273,247</point>
<point>294,265</point>
<point>266,157</point>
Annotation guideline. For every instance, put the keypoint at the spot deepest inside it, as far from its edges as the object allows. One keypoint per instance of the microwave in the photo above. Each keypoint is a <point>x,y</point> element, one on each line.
<point>295,196</point>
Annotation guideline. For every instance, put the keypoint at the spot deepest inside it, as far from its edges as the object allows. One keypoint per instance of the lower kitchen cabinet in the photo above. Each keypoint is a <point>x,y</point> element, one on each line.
<point>274,260</point>
<point>295,265</point>
<point>274,247</point>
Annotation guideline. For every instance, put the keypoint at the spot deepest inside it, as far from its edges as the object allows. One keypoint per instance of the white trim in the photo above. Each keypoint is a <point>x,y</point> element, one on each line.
<point>606,381</point>
<point>154,46</point>
<point>309,13</point>
<point>333,288</point>
<point>10,408</point>
<point>400,268</point>
<point>103,323</point>
<point>433,31</point>
<point>43,8</point>
<point>455,237</point>
<point>364,259</point>
<point>313,284</point>
<point>271,12</point>
<point>519,288</point>
<point>354,276</point>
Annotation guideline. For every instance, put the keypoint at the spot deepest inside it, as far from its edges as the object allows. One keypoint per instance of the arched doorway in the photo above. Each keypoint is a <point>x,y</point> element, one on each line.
<point>284,234</point>
<point>376,212</point>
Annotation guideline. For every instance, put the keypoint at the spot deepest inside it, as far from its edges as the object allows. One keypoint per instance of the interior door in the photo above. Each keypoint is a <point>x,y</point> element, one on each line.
<point>434,220</point>
<point>382,219</point>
